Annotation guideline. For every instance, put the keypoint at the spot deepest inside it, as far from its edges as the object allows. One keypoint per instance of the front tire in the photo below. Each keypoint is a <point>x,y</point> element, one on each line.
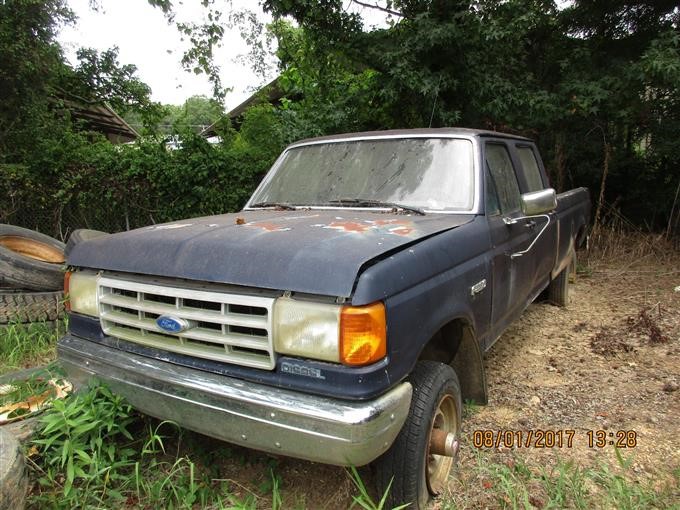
<point>416,474</point>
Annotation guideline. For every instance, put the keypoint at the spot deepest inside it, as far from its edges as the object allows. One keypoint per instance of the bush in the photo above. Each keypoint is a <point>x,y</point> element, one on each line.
<point>80,180</point>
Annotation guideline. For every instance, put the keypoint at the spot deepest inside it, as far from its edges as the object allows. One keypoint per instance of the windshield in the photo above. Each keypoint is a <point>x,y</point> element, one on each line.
<point>428,173</point>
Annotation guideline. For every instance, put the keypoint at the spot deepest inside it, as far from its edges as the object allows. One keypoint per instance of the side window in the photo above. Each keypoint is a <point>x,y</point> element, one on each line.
<point>499,164</point>
<point>492,206</point>
<point>532,174</point>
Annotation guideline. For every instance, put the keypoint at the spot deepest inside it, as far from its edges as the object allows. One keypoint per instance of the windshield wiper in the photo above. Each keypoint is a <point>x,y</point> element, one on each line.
<point>367,202</point>
<point>281,205</point>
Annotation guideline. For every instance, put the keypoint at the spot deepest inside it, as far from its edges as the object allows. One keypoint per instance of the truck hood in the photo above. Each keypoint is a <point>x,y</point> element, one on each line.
<point>318,251</point>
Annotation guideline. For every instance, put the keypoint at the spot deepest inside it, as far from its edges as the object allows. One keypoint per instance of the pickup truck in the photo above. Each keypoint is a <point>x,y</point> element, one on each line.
<point>342,315</point>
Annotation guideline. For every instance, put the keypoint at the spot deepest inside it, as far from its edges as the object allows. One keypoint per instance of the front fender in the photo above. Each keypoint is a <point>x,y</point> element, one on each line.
<point>428,285</point>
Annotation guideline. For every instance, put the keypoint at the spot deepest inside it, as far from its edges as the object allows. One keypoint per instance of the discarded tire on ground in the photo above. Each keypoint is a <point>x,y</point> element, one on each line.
<point>30,260</point>
<point>21,306</point>
<point>79,235</point>
<point>12,473</point>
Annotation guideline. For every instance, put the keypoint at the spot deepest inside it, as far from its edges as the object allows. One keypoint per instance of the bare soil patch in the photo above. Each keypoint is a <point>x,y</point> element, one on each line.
<point>609,362</point>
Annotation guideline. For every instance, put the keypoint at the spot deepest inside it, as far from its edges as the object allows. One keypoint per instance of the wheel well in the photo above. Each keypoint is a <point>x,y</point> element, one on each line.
<point>581,237</point>
<point>456,344</point>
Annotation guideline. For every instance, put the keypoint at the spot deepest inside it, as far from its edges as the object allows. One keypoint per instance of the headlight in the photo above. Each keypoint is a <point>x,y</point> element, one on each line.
<point>353,335</point>
<point>306,329</point>
<point>81,291</point>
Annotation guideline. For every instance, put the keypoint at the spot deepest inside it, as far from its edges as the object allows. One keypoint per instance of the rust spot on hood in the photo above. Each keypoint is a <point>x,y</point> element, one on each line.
<point>268,226</point>
<point>393,226</point>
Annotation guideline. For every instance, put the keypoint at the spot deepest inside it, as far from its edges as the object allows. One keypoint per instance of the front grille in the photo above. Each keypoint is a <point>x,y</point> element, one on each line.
<point>224,327</point>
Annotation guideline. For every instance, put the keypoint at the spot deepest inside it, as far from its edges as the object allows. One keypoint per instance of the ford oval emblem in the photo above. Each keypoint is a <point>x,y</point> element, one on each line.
<point>171,324</point>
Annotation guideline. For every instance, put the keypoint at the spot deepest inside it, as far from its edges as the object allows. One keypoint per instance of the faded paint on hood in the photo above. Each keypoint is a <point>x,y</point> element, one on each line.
<point>319,252</point>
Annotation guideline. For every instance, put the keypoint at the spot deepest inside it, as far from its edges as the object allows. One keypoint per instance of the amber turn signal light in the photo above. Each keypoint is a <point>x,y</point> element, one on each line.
<point>362,334</point>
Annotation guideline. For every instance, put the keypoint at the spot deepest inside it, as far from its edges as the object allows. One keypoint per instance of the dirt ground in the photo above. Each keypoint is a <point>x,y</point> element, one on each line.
<point>610,361</point>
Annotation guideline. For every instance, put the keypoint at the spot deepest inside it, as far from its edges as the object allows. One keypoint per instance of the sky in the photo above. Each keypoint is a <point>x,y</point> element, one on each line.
<point>145,39</point>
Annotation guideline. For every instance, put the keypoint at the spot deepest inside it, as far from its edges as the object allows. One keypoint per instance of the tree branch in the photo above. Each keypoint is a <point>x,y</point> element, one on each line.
<point>379,7</point>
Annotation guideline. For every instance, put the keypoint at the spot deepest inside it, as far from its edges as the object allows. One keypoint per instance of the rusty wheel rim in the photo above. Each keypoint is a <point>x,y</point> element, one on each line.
<point>439,466</point>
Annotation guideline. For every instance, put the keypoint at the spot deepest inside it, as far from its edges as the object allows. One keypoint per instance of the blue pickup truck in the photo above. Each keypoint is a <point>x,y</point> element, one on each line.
<point>342,316</point>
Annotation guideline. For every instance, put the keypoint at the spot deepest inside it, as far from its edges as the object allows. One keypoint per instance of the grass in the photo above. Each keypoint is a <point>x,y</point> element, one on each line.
<point>513,484</point>
<point>28,345</point>
<point>619,240</point>
<point>93,451</point>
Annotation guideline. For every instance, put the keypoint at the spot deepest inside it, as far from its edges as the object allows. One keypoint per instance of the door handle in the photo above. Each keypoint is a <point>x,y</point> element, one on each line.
<point>529,225</point>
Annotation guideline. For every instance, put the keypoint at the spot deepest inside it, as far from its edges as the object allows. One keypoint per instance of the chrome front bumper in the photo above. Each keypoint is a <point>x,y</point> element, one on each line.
<point>274,420</point>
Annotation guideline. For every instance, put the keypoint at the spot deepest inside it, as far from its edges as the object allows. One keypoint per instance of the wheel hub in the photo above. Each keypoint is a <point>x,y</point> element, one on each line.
<point>443,445</point>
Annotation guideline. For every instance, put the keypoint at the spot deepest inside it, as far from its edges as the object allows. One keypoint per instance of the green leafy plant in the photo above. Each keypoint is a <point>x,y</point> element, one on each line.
<point>93,451</point>
<point>75,441</point>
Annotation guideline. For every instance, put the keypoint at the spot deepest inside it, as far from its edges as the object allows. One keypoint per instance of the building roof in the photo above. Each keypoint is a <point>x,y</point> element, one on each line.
<point>269,93</point>
<point>102,119</point>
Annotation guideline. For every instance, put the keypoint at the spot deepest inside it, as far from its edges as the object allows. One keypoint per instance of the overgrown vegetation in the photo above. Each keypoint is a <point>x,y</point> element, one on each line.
<point>28,345</point>
<point>93,451</point>
<point>85,456</point>
<point>93,184</point>
<point>596,83</point>
<point>513,484</point>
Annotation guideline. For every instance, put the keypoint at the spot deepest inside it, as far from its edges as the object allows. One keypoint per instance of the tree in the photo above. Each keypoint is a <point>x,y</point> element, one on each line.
<point>196,114</point>
<point>29,68</point>
<point>99,77</point>
<point>596,82</point>
<point>35,78</point>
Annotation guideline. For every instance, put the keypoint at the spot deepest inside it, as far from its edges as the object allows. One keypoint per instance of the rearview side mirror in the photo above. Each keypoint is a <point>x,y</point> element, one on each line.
<point>538,202</point>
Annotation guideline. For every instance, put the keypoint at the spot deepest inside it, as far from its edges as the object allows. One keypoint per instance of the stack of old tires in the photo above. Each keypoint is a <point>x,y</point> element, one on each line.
<point>31,275</point>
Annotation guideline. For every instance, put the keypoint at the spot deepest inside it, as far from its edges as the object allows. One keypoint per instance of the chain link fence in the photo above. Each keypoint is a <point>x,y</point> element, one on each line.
<point>59,223</point>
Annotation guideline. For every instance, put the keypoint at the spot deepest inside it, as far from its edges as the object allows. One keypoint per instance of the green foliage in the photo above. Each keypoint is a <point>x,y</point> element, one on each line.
<point>99,77</point>
<point>29,69</point>
<point>578,78</point>
<point>84,182</point>
<point>93,451</point>
<point>596,83</point>
<point>364,499</point>
<point>513,484</point>
<point>75,441</point>
<point>27,344</point>
<point>196,114</point>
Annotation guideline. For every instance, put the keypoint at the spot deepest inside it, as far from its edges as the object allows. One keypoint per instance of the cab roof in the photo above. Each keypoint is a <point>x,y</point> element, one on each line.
<point>405,133</point>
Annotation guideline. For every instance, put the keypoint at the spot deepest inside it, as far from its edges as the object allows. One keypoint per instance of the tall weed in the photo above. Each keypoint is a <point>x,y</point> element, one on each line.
<point>93,451</point>
<point>28,344</point>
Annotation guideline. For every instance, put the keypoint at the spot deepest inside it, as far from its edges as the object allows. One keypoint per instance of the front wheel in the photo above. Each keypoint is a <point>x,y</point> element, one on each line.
<point>419,463</point>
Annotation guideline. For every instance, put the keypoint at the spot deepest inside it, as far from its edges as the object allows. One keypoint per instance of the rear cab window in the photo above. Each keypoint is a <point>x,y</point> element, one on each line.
<point>530,170</point>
